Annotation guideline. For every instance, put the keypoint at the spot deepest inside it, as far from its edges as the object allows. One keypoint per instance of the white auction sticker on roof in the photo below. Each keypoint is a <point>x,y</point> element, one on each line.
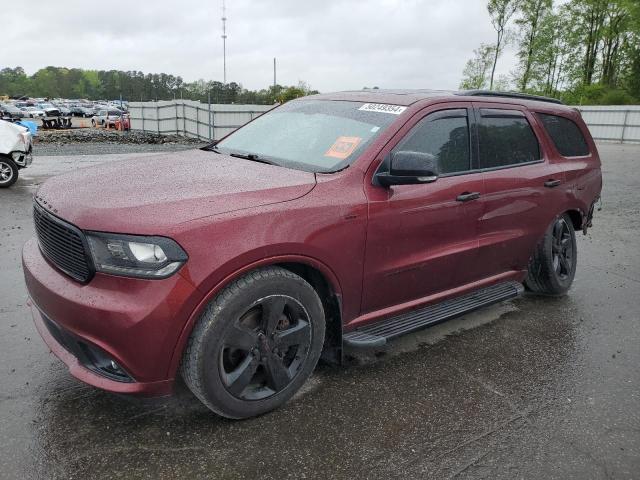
<point>383,108</point>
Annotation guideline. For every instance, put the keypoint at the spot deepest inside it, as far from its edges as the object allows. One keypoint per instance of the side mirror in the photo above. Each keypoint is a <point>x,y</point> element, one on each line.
<point>409,168</point>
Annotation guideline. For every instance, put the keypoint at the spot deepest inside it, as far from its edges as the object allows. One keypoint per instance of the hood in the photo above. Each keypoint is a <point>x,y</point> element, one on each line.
<point>152,194</point>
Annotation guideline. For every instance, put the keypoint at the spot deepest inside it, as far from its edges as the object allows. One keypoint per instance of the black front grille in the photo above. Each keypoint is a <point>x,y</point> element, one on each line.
<point>63,244</point>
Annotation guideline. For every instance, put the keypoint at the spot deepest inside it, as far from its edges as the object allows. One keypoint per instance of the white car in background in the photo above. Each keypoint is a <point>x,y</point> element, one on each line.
<point>15,151</point>
<point>34,112</point>
<point>106,117</point>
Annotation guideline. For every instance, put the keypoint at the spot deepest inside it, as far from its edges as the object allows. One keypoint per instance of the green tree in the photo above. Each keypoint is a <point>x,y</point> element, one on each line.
<point>530,37</point>
<point>500,12</point>
<point>474,75</point>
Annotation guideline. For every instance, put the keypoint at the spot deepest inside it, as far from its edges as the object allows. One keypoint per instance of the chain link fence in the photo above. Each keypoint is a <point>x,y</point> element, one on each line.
<point>192,119</point>
<point>613,123</point>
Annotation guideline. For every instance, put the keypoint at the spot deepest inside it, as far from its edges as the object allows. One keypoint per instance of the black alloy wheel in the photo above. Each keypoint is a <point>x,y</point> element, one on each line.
<point>562,249</point>
<point>552,266</point>
<point>255,344</point>
<point>265,348</point>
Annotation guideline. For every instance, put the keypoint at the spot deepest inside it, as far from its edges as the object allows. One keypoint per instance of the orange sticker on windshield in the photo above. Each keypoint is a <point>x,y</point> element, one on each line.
<point>343,147</point>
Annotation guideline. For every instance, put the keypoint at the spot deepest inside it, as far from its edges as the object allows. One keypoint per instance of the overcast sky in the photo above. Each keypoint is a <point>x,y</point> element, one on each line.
<point>330,44</point>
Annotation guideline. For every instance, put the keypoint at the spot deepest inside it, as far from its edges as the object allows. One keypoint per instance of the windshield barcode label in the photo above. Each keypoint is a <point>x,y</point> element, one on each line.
<point>382,108</point>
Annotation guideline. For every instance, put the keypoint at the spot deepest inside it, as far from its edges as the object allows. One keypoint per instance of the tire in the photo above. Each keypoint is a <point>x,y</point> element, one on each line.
<point>553,264</point>
<point>8,172</point>
<point>256,343</point>
<point>93,123</point>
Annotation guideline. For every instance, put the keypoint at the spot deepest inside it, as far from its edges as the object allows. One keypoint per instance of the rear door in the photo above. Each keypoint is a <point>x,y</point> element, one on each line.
<point>521,181</point>
<point>422,239</point>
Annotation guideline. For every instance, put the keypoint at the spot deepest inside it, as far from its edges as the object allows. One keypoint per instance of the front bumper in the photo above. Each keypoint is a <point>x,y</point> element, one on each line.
<point>135,322</point>
<point>22,159</point>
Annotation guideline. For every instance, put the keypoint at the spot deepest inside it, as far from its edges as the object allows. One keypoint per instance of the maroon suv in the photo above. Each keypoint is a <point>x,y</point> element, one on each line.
<point>335,221</point>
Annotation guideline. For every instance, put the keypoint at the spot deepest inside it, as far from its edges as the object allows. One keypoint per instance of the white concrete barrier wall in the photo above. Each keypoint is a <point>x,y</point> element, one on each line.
<point>212,122</point>
<point>192,119</point>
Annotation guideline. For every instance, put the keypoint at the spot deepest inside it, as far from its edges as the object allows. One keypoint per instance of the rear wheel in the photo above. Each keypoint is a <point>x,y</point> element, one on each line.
<point>8,172</point>
<point>256,343</point>
<point>553,265</point>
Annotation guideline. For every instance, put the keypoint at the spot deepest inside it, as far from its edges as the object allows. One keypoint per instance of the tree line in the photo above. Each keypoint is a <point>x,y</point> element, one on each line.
<point>582,51</point>
<point>76,83</point>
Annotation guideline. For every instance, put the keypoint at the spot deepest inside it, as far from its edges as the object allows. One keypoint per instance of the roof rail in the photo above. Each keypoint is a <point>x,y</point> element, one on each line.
<point>522,96</point>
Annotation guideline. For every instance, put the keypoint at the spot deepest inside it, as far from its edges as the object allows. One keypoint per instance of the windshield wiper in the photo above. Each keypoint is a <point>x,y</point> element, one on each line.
<point>247,156</point>
<point>254,157</point>
<point>210,148</point>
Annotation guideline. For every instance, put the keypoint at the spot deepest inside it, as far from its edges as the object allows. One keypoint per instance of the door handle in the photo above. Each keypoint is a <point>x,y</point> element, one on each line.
<point>466,196</point>
<point>552,183</point>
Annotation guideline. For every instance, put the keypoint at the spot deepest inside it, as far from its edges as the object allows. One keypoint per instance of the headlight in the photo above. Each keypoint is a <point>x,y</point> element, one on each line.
<point>135,256</point>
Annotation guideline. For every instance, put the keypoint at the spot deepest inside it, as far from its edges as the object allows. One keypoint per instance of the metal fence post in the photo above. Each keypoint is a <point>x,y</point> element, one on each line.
<point>624,125</point>
<point>213,124</point>
<point>157,117</point>
<point>209,104</point>
<point>176,105</point>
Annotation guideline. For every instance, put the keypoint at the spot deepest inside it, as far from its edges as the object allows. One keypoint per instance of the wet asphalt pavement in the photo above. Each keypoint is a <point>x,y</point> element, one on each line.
<point>532,388</point>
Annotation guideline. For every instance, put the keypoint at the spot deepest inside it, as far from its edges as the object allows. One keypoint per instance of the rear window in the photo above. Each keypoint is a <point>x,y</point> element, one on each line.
<point>506,138</point>
<point>566,135</point>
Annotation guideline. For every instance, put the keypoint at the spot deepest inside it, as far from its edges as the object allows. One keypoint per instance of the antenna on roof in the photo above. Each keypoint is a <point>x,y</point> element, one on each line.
<point>224,43</point>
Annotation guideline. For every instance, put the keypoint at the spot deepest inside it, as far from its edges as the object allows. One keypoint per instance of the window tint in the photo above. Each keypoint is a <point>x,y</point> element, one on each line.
<point>447,139</point>
<point>506,140</point>
<point>565,134</point>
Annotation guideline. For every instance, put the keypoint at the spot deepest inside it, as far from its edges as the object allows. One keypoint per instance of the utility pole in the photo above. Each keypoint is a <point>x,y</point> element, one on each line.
<point>274,75</point>
<point>224,43</point>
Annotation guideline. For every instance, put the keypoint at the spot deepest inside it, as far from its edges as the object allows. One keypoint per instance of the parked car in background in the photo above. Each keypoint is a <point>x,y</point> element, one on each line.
<point>106,118</point>
<point>34,112</point>
<point>10,111</point>
<point>82,111</point>
<point>15,151</point>
<point>64,111</point>
<point>50,110</point>
<point>122,123</point>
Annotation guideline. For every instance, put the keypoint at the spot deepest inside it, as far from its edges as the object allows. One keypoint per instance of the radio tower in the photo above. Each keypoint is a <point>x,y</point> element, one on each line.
<point>224,43</point>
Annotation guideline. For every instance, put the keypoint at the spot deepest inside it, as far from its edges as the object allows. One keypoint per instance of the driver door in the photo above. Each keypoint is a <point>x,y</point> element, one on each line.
<point>423,239</point>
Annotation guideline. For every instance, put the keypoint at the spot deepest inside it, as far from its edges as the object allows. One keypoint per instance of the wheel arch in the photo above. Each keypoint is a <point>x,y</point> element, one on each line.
<point>319,276</point>
<point>331,303</point>
<point>577,218</point>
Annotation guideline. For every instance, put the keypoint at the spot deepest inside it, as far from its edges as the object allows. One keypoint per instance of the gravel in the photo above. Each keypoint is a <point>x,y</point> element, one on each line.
<point>90,141</point>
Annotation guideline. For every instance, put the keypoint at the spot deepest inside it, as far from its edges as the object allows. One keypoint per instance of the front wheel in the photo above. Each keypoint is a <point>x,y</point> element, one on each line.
<point>8,172</point>
<point>255,344</point>
<point>553,265</point>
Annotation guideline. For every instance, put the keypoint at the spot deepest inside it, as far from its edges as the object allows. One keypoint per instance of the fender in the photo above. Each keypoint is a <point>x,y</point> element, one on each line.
<point>208,296</point>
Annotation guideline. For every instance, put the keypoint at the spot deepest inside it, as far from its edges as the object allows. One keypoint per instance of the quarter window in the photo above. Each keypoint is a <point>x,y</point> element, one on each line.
<point>445,136</point>
<point>506,138</point>
<point>565,134</point>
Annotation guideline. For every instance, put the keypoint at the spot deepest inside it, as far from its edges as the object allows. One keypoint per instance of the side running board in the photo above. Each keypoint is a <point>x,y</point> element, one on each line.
<point>377,334</point>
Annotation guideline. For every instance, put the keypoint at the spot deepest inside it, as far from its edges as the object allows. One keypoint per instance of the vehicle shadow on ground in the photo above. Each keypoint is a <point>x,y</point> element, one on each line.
<point>430,392</point>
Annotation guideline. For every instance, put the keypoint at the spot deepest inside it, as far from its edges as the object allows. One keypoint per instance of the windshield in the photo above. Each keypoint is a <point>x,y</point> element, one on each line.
<point>311,135</point>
